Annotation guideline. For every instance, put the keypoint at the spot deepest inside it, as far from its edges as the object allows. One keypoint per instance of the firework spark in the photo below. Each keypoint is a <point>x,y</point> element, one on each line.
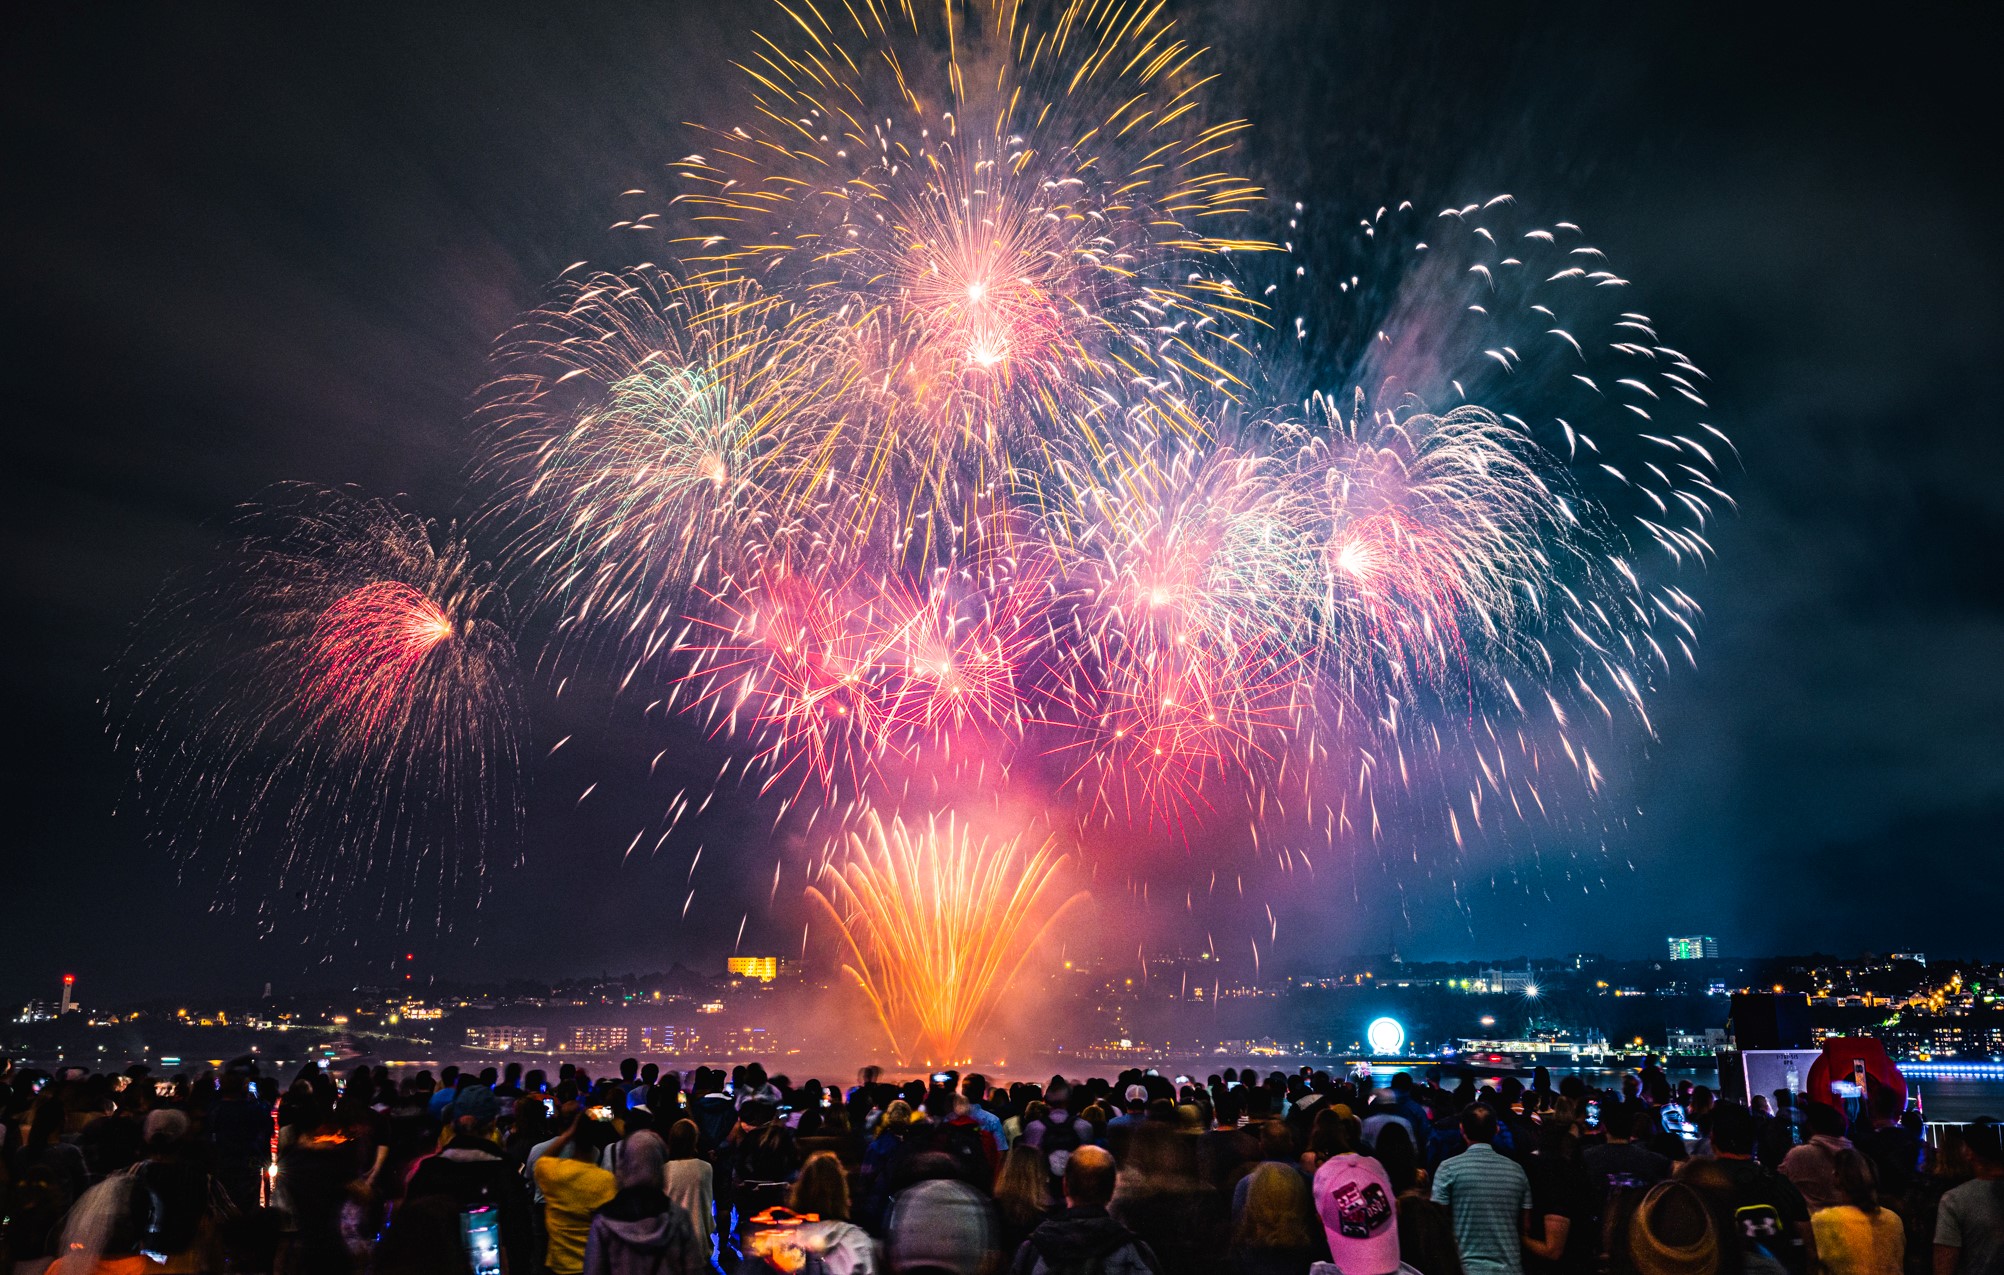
<point>934,921</point>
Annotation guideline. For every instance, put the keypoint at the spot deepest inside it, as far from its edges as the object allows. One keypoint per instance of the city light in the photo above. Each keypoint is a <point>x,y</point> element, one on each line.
<point>1386,1035</point>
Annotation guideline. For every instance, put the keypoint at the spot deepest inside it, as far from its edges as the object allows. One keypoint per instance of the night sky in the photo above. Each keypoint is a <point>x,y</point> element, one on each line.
<point>243,246</point>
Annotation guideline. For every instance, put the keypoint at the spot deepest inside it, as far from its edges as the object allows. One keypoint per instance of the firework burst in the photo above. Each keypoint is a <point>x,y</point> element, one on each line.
<point>996,238</point>
<point>336,717</point>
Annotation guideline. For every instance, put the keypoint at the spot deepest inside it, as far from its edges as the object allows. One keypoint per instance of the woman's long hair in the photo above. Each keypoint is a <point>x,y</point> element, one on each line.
<point>822,1188</point>
<point>1858,1181</point>
<point>683,1137</point>
<point>1278,1212</point>
<point>1023,1187</point>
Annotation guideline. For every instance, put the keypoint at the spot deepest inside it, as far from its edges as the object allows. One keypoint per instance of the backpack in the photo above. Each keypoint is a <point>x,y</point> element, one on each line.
<point>963,1142</point>
<point>1061,1138</point>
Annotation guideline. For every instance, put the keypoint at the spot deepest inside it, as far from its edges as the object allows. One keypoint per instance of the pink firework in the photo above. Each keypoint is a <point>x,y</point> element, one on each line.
<point>1404,588</point>
<point>797,658</point>
<point>960,649</point>
<point>368,650</point>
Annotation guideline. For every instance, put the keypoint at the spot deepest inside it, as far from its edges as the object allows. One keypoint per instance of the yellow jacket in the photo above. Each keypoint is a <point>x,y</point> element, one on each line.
<point>1850,1241</point>
<point>572,1191</point>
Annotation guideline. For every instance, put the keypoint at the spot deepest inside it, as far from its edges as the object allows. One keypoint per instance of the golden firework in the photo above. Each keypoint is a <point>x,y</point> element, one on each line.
<point>935,920</point>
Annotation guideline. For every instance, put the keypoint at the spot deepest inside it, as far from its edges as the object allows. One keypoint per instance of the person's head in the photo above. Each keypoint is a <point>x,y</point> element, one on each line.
<point>822,1188</point>
<point>939,1103</point>
<point>1732,1130</point>
<point>640,1159</point>
<point>1557,1140</point>
<point>897,1116</point>
<point>1984,1148</point>
<point>1135,1100</point>
<point>1670,1232</point>
<point>1227,1108</point>
<point>1645,1124</point>
<point>1278,1212</point>
<point>1333,1134</point>
<point>1478,1124</point>
<point>590,1137</point>
<point>1402,1084</point>
<point>1276,1142</point>
<point>1023,1186</point>
<point>1394,1149</point>
<point>1858,1181</point>
<point>975,1087</point>
<point>1089,1178</point>
<point>163,1128</point>
<point>683,1137</point>
<point>1824,1120</point>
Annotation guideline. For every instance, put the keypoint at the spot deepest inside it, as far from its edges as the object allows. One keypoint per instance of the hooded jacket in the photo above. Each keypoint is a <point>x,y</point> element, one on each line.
<point>640,1231</point>
<point>1084,1240</point>
<point>470,1171</point>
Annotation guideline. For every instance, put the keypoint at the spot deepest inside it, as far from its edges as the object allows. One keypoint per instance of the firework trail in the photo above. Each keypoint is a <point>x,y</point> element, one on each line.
<point>934,921</point>
<point>336,715</point>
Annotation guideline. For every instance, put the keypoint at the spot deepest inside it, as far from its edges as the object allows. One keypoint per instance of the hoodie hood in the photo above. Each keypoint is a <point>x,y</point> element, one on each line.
<point>1078,1234</point>
<point>641,1217</point>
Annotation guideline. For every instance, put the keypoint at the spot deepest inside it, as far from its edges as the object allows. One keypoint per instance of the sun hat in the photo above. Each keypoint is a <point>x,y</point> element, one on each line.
<point>1672,1234</point>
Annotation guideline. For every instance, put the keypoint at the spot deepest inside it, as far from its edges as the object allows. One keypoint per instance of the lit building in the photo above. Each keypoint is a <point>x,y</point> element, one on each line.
<point>668,1039</point>
<point>1709,1041</point>
<point>1697,947</point>
<point>69,986</point>
<point>506,1038</point>
<point>1498,981</point>
<point>763,968</point>
<point>597,1040</point>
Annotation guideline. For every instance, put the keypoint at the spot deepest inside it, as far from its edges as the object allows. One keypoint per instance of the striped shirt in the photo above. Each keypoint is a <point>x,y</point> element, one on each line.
<point>1487,1196</point>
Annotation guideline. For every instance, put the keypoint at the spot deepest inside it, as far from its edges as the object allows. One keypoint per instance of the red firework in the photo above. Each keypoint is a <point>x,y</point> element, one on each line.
<point>368,650</point>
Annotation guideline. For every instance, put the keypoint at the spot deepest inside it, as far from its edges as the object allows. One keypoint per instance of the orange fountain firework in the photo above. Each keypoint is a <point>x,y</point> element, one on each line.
<point>935,920</point>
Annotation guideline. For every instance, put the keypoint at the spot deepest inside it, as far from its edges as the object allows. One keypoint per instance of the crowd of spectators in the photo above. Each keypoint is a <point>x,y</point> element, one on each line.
<point>657,1172</point>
